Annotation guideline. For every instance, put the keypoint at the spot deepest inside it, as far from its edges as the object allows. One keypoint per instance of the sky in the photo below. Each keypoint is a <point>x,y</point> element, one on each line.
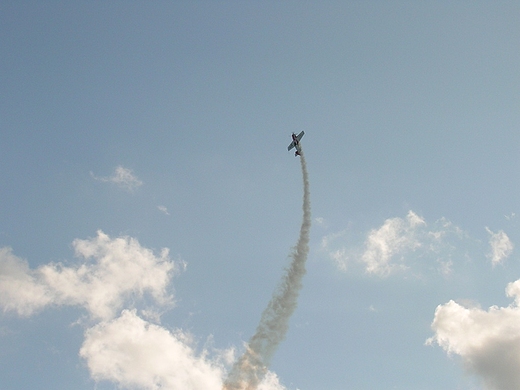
<point>149,205</point>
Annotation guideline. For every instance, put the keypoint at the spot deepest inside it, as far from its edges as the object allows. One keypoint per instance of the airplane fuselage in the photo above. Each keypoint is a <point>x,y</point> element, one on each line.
<point>296,143</point>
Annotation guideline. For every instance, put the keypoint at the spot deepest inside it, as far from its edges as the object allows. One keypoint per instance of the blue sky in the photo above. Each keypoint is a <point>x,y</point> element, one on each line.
<point>131,127</point>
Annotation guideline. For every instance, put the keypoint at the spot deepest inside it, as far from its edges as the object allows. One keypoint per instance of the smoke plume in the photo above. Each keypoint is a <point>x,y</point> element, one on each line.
<point>251,367</point>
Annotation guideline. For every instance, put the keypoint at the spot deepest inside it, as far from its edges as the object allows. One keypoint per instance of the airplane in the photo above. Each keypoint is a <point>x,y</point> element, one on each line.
<point>296,143</point>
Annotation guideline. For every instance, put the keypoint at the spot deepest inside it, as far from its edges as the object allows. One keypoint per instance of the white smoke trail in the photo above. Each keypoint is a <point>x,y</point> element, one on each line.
<point>251,367</point>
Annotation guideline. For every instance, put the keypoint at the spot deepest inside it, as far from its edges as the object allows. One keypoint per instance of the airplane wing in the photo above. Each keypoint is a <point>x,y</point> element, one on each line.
<point>291,146</point>
<point>299,136</point>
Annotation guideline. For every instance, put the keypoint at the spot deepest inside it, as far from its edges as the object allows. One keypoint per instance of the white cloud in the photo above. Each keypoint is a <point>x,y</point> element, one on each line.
<point>395,236</point>
<point>445,267</point>
<point>271,382</point>
<point>113,272</point>
<point>134,353</point>
<point>320,221</point>
<point>340,256</point>
<point>501,246</point>
<point>122,177</point>
<point>113,275</point>
<point>327,240</point>
<point>20,289</point>
<point>487,341</point>
<point>395,244</point>
<point>163,210</point>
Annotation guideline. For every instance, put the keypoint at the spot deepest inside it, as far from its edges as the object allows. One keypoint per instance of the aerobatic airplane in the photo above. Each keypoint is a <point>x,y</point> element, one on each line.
<point>296,143</point>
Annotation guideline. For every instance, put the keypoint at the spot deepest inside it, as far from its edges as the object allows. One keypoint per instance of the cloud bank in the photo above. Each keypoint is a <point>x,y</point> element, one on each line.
<point>137,354</point>
<point>488,341</point>
<point>109,280</point>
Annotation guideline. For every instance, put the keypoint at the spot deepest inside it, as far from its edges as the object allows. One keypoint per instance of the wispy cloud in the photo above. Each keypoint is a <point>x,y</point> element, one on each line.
<point>488,341</point>
<point>122,177</point>
<point>392,247</point>
<point>395,236</point>
<point>501,246</point>
<point>163,210</point>
<point>320,221</point>
<point>340,256</point>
